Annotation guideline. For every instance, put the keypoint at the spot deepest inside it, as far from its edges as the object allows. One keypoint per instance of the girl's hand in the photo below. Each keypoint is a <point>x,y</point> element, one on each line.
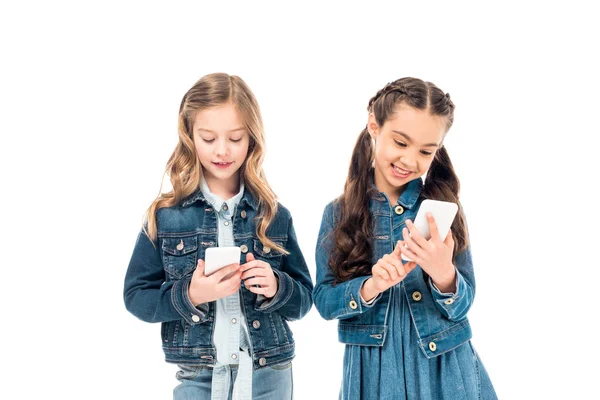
<point>433,255</point>
<point>222,283</point>
<point>258,277</point>
<point>387,272</point>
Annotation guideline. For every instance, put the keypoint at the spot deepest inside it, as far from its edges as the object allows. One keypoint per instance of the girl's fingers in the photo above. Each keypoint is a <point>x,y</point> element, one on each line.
<point>433,229</point>
<point>410,254</point>
<point>380,271</point>
<point>390,269</point>
<point>416,236</point>
<point>253,272</point>
<point>256,281</point>
<point>412,246</point>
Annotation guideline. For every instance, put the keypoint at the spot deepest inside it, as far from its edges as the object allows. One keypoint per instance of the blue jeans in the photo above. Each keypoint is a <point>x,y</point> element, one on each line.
<point>269,383</point>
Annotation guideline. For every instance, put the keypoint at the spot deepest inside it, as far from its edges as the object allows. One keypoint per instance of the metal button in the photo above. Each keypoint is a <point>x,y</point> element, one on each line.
<point>180,245</point>
<point>256,324</point>
<point>243,214</point>
<point>195,318</point>
<point>416,296</point>
<point>262,361</point>
<point>432,346</point>
<point>234,321</point>
<point>225,208</point>
<point>234,356</point>
<point>449,301</point>
<point>266,249</point>
<point>244,248</point>
<point>353,304</point>
<point>226,223</point>
<point>399,210</point>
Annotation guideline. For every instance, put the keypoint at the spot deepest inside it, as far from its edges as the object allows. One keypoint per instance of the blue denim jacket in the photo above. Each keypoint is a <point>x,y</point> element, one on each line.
<point>159,274</point>
<point>439,318</point>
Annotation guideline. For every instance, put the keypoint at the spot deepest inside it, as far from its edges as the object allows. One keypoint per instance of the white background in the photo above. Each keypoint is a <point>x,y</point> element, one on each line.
<point>89,97</point>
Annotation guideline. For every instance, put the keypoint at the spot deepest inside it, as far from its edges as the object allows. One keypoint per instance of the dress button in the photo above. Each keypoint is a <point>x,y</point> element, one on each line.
<point>262,362</point>
<point>234,321</point>
<point>244,248</point>
<point>226,223</point>
<point>243,214</point>
<point>266,249</point>
<point>416,296</point>
<point>180,245</point>
<point>353,304</point>
<point>195,318</point>
<point>399,210</point>
<point>225,208</point>
<point>256,324</point>
<point>432,346</point>
<point>234,356</point>
<point>449,301</point>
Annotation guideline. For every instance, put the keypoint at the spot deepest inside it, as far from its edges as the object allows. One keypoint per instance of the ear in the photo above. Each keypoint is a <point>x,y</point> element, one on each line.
<point>372,126</point>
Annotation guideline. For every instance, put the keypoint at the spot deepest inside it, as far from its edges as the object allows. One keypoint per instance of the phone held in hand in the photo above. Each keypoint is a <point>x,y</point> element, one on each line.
<point>443,213</point>
<point>216,258</point>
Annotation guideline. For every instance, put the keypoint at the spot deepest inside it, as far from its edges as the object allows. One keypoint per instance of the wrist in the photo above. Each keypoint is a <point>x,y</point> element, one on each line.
<point>368,290</point>
<point>446,283</point>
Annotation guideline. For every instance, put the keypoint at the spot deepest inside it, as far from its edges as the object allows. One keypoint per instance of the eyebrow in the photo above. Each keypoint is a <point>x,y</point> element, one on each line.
<point>230,131</point>
<point>410,140</point>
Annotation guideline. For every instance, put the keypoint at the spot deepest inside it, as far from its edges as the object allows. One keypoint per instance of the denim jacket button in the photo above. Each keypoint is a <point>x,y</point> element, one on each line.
<point>432,346</point>
<point>449,301</point>
<point>195,318</point>
<point>256,324</point>
<point>243,214</point>
<point>262,362</point>
<point>399,210</point>
<point>416,296</point>
<point>244,248</point>
<point>180,245</point>
<point>353,304</point>
<point>266,249</point>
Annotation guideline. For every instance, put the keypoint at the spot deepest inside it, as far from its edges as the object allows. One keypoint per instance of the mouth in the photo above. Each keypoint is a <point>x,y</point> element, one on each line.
<point>400,172</point>
<point>222,165</point>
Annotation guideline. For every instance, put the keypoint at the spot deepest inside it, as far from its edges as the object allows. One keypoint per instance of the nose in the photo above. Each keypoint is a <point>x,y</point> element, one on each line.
<point>222,149</point>
<point>408,162</point>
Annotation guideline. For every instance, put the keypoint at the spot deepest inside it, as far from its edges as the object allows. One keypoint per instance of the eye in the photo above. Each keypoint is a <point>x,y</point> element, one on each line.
<point>235,140</point>
<point>208,140</point>
<point>401,144</point>
<point>426,153</point>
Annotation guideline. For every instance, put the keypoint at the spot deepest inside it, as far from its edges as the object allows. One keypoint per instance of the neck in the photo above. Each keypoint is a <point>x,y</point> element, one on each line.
<point>224,188</point>
<point>393,193</point>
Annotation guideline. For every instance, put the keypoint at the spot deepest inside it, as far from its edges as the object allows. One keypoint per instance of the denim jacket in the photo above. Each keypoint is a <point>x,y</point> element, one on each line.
<point>159,275</point>
<point>439,318</point>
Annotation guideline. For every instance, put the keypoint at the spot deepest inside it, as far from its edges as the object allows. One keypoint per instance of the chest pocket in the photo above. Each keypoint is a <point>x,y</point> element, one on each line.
<point>268,254</point>
<point>179,256</point>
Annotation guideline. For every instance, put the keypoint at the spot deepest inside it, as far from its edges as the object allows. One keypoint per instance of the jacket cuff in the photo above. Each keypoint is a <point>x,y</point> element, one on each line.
<point>184,306</point>
<point>285,288</point>
<point>447,300</point>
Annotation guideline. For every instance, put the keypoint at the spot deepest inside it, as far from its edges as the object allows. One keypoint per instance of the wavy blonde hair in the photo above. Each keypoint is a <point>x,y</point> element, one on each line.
<point>184,168</point>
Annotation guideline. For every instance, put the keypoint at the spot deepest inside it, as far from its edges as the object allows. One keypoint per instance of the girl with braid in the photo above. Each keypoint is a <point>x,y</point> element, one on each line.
<point>404,323</point>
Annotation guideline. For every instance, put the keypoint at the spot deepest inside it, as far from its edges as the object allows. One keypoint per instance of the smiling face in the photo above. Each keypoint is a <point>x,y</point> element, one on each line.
<point>221,142</point>
<point>404,147</point>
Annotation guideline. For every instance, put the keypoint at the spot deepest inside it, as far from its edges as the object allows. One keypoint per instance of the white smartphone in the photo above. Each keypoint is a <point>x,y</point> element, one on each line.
<point>216,258</point>
<point>443,212</point>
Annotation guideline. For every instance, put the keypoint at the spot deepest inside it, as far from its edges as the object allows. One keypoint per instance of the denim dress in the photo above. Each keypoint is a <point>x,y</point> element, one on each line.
<point>399,370</point>
<point>412,341</point>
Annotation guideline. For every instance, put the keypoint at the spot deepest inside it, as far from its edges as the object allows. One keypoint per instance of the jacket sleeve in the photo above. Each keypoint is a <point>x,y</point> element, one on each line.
<point>343,299</point>
<point>455,306</point>
<point>149,297</point>
<point>293,299</point>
